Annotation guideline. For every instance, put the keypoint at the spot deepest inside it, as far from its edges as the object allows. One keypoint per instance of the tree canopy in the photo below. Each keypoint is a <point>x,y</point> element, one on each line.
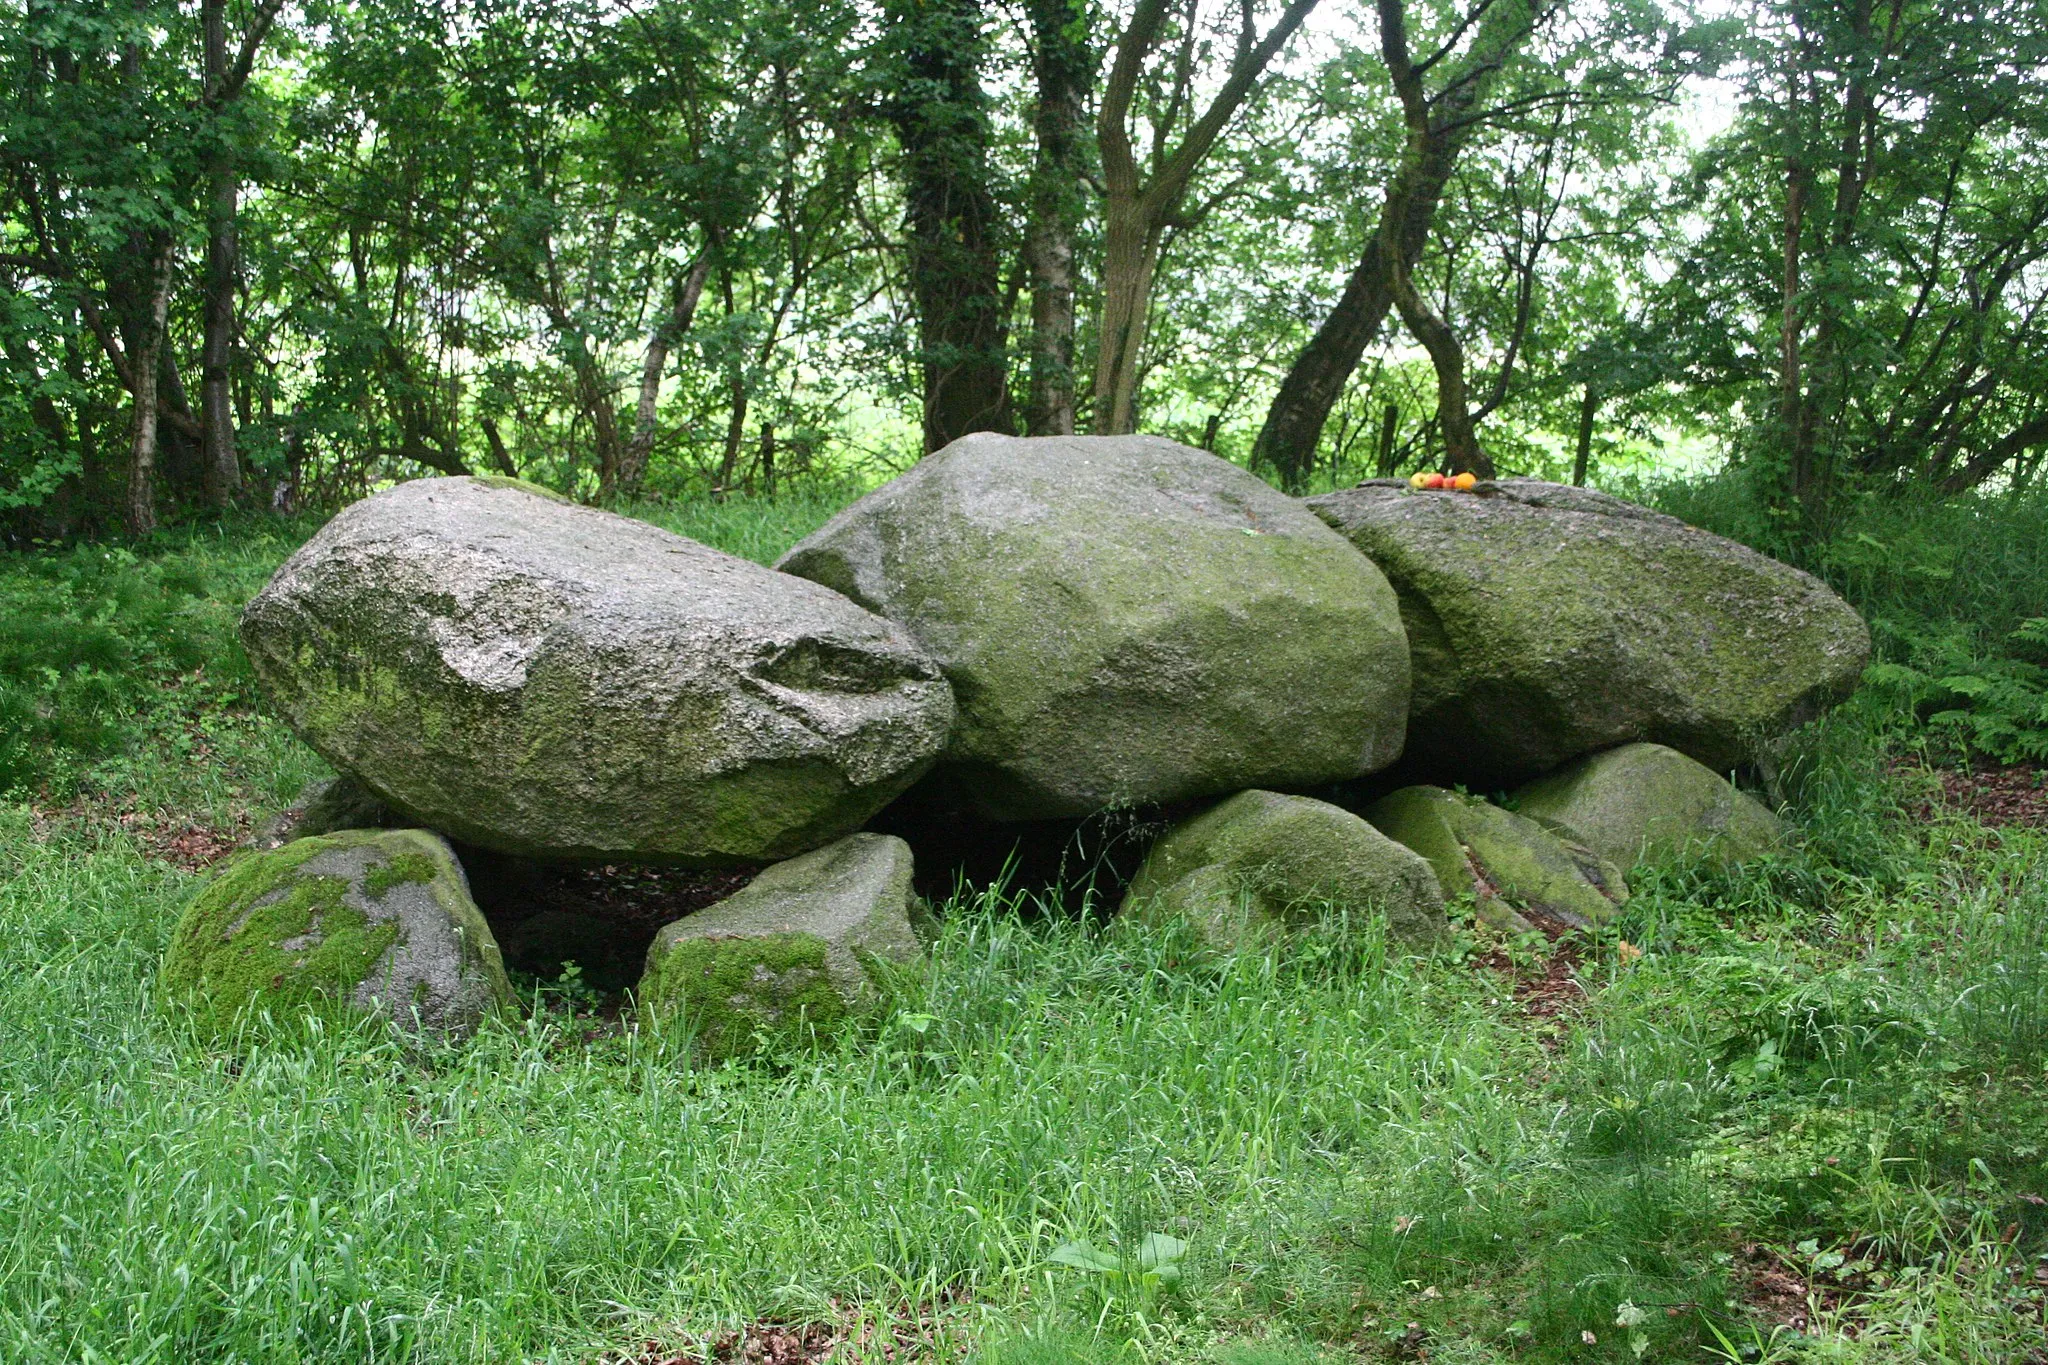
<point>265,253</point>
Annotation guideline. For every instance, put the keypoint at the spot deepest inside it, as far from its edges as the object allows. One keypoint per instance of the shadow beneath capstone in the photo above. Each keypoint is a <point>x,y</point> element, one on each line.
<point>1078,866</point>
<point>602,917</point>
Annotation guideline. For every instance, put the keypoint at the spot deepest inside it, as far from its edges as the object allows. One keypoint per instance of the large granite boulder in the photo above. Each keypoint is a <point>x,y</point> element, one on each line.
<point>1519,874</point>
<point>1546,622</point>
<point>544,679</point>
<point>1646,805</point>
<point>1261,862</point>
<point>372,920</point>
<point>808,949</point>
<point>1125,620</point>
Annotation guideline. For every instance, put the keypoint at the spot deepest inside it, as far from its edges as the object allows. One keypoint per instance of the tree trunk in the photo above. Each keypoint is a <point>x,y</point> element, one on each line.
<point>1130,254</point>
<point>956,274</point>
<point>735,432</point>
<point>1136,211</point>
<point>140,506</point>
<point>593,390</point>
<point>1390,427</point>
<point>688,288</point>
<point>1065,69</point>
<point>500,456</point>
<point>1582,454</point>
<point>1324,367</point>
<point>220,468</point>
<point>1315,381</point>
<point>1438,129</point>
<point>1791,395</point>
<point>1462,453</point>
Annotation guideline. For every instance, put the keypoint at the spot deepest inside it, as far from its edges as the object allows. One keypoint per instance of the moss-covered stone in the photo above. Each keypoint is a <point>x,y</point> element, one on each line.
<point>808,949</point>
<point>1546,622</point>
<point>371,920</point>
<point>1125,620</point>
<point>1261,862</point>
<point>549,680</point>
<point>1647,805</point>
<point>1519,874</point>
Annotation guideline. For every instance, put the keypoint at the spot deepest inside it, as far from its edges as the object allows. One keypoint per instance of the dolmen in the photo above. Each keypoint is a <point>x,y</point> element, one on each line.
<point>1058,626</point>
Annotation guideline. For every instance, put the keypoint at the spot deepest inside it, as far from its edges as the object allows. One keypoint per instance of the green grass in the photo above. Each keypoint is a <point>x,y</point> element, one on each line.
<point>1843,1054</point>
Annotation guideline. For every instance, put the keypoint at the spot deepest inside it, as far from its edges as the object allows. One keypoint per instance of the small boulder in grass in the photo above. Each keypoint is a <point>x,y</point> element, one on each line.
<point>808,950</point>
<point>1519,874</point>
<point>1646,805</point>
<point>1260,863</point>
<point>372,921</point>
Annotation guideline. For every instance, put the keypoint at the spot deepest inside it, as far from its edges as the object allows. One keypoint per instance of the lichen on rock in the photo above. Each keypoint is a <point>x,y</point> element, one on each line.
<point>807,950</point>
<point>1648,805</point>
<point>378,921</point>
<point>1125,620</point>
<point>1546,622</point>
<point>1260,863</point>
<point>1519,874</point>
<point>549,680</point>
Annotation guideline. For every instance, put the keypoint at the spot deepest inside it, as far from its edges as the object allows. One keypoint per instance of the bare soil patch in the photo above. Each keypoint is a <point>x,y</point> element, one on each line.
<point>1996,794</point>
<point>907,1337</point>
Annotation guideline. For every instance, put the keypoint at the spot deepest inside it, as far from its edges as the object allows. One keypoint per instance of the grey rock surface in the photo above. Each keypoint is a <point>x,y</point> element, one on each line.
<point>556,681</point>
<point>1644,804</point>
<point>1125,620</point>
<point>378,920</point>
<point>1261,862</point>
<point>1546,622</point>
<point>1519,873</point>
<point>810,947</point>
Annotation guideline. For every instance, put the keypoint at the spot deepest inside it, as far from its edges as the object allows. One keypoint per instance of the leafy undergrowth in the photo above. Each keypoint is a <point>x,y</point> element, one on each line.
<point>1795,1114</point>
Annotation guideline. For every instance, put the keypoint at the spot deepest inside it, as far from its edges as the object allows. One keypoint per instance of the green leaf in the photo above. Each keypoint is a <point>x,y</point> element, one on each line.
<point>1158,1251</point>
<point>1081,1256</point>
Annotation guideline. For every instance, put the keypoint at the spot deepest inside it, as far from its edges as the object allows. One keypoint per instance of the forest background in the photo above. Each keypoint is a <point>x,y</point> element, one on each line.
<point>272,254</point>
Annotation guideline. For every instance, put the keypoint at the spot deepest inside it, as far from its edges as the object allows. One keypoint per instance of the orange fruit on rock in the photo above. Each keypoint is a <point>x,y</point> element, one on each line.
<point>1465,482</point>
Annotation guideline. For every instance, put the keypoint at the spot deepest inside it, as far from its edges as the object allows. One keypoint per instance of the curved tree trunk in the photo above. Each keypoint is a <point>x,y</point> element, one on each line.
<point>1129,256</point>
<point>1438,128</point>
<point>639,446</point>
<point>1462,452</point>
<point>1136,210</point>
<point>1316,379</point>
